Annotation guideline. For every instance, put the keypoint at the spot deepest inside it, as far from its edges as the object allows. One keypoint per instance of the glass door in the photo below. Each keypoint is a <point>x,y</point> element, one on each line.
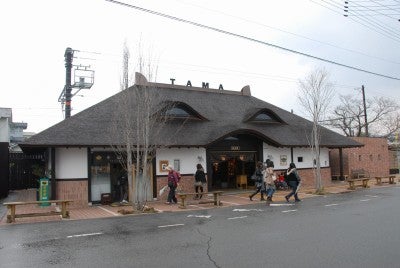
<point>101,182</point>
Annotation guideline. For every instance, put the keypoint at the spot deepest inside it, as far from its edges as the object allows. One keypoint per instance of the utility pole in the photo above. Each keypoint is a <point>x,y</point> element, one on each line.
<point>365,111</point>
<point>68,88</point>
<point>83,78</point>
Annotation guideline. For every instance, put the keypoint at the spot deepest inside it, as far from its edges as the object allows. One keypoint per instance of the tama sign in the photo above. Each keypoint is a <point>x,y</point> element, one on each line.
<point>203,84</point>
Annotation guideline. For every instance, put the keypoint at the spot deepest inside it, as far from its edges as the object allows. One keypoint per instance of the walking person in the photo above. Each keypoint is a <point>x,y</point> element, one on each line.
<point>173,179</point>
<point>293,180</point>
<point>259,181</point>
<point>270,179</point>
<point>199,181</point>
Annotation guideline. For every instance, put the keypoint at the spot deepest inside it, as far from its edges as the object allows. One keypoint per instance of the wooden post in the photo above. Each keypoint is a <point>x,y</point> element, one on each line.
<point>64,209</point>
<point>11,215</point>
<point>183,200</point>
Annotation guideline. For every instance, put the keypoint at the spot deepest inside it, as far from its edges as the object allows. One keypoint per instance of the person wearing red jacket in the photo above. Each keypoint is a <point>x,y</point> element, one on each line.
<point>173,179</point>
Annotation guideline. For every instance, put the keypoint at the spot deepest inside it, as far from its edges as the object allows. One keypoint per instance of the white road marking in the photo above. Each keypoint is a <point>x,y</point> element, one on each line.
<point>280,205</point>
<point>245,209</point>
<point>109,211</point>
<point>235,204</point>
<point>292,210</point>
<point>331,205</point>
<point>364,200</point>
<point>199,216</point>
<point>81,235</point>
<point>374,196</point>
<point>171,225</point>
<point>234,218</point>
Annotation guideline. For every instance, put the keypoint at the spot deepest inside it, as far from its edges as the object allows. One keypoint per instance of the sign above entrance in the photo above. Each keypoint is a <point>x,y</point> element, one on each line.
<point>203,84</point>
<point>235,148</point>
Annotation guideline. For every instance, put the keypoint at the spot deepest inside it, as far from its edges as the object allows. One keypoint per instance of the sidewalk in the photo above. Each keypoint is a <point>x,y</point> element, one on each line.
<point>230,198</point>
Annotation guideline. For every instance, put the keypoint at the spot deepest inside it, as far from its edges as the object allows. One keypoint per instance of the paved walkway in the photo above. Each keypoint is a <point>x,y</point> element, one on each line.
<point>235,198</point>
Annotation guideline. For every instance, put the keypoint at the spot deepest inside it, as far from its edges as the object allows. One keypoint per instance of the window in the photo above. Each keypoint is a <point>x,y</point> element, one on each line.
<point>300,159</point>
<point>264,116</point>
<point>359,158</point>
<point>177,112</point>
<point>177,164</point>
<point>180,111</point>
<point>379,157</point>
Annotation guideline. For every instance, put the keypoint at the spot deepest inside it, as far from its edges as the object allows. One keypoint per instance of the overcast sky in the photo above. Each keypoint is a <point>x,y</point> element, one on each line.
<point>35,35</point>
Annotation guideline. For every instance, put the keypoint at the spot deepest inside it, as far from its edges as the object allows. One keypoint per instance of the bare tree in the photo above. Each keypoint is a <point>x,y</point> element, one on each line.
<point>315,95</point>
<point>383,116</point>
<point>140,121</point>
<point>136,122</point>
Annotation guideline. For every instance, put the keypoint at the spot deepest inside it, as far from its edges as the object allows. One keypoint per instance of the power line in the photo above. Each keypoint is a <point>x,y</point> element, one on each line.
<point>288,32</point>
<point>250,74</point>
<point>373,10</point>
<point>359,20</point>
<point>373,22</point>
<point>248,38</point>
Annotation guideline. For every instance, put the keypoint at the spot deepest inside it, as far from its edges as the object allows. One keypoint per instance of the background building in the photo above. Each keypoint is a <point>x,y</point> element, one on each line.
<point>372,157</point>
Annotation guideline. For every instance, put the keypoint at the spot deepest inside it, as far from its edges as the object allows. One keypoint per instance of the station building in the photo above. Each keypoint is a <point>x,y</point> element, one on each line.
<point>225,131</point>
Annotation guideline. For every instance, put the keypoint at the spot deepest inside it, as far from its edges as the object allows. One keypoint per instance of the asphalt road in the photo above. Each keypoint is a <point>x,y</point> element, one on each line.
<point>357,229</point>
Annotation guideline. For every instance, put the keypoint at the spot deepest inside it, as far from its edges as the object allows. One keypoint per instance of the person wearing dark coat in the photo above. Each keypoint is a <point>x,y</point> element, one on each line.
<point>293,180</point>
<point>199,181</point>
<point>259,181</point>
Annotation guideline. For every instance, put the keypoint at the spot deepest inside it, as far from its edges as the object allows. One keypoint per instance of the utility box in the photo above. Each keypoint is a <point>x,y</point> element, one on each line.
<point>44,191</point>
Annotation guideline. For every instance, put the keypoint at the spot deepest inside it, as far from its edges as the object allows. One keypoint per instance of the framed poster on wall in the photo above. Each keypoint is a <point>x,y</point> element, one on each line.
<point>283,160</point>
<point>163,165</point>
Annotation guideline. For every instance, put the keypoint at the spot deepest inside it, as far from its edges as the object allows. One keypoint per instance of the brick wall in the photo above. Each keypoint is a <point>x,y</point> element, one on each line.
<point>372,157</point>
<point>308,179</point>
<point>73,190</point>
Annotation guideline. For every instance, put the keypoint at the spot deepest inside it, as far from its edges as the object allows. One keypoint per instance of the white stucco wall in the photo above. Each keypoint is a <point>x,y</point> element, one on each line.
<point>71,163</point>
<point>308,159</point>
<point>188,158</point>
<point>275,153</point>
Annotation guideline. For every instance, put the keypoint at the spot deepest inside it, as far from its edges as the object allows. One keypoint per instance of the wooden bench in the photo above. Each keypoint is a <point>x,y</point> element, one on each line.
<point>352,182</point>
<point>11,206</point>
<point>216,201</point>
<point>358,175</point>
<point>390,180</point>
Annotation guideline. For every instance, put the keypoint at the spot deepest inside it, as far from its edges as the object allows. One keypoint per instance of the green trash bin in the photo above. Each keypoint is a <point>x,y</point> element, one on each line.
<point>44,191</point>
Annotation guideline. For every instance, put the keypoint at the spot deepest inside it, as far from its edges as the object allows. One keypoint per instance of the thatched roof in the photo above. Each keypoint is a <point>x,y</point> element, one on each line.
<point>222,113</point>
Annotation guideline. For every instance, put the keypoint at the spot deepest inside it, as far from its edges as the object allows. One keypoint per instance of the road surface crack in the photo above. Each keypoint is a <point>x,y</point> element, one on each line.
<point>208,248</point>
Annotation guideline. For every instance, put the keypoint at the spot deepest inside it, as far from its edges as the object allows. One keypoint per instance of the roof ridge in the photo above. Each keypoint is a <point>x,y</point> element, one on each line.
<point>140,80</point>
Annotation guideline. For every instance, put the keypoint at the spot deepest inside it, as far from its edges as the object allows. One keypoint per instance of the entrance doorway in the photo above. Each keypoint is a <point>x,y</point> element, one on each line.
<point>119,182</point>
<point>228,168</point>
